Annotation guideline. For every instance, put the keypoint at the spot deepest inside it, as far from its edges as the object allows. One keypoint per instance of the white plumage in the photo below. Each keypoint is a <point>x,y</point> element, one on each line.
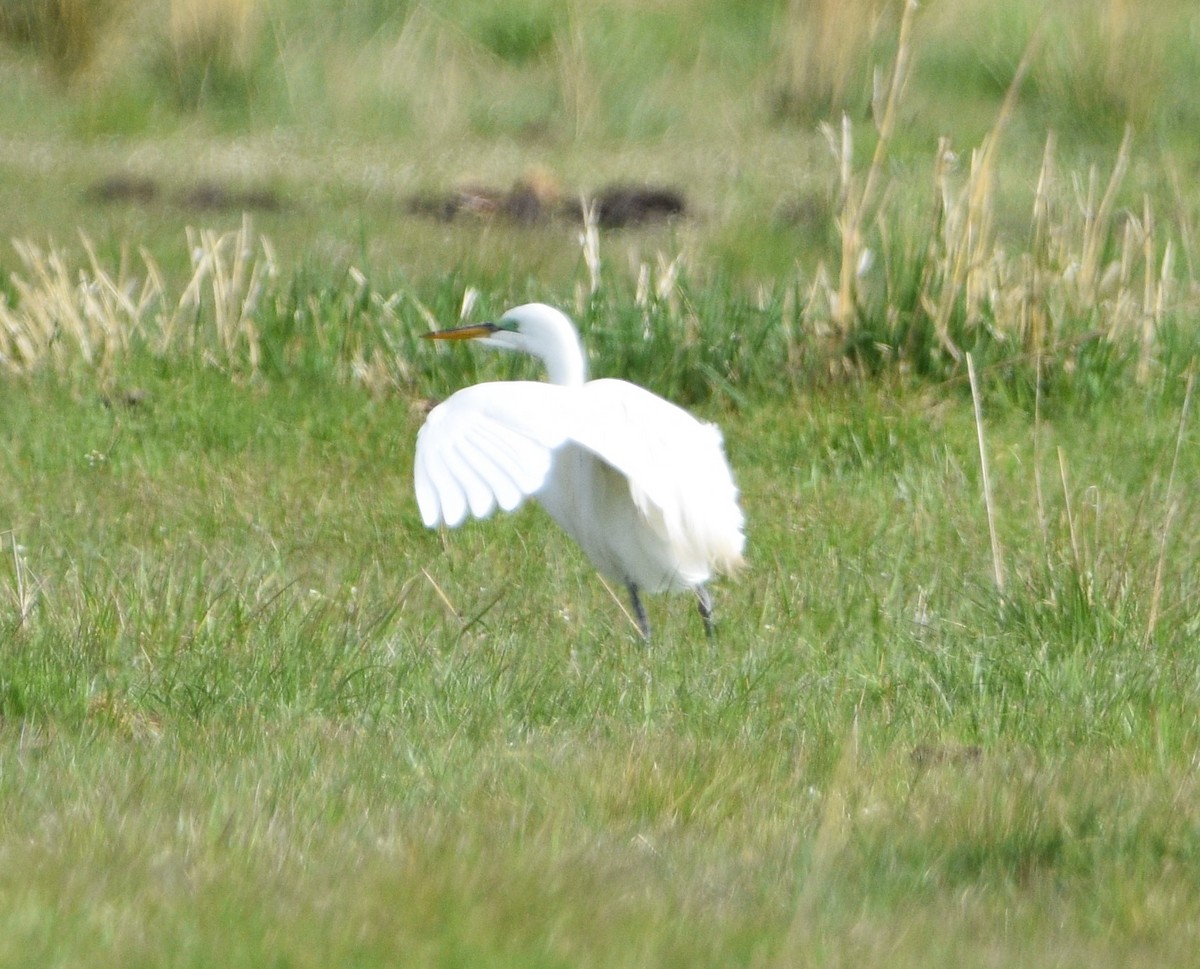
<point>641,485</point>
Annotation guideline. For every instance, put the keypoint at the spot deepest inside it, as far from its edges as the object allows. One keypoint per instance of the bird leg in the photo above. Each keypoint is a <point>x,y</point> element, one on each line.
<point>639,612</point>
<point>706,611</point>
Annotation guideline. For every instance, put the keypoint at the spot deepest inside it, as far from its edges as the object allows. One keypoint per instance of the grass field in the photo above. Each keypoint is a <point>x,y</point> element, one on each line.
<point>252,713</point>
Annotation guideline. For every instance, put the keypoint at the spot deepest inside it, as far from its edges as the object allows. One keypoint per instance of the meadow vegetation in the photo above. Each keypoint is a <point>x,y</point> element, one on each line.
<point>937,282</point>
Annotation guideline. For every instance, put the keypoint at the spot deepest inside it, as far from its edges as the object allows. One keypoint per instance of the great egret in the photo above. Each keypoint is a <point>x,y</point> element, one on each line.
<point>639,483</point>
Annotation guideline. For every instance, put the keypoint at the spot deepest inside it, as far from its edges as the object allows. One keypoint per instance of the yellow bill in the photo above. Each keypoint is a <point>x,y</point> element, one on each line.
<point>470,332</point>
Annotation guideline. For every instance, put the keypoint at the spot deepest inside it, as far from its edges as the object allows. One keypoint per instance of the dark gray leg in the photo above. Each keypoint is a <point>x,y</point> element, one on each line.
<point>639,613</point>
<point>706,610</point>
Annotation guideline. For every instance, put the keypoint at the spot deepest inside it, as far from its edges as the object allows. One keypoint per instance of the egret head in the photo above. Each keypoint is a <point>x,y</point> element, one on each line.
<point>536,329</point>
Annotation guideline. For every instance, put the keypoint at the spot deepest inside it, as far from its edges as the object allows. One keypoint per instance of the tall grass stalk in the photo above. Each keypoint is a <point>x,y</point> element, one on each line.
<point>857,206</point>
<point>1172,509</point>
<point>986,478</point>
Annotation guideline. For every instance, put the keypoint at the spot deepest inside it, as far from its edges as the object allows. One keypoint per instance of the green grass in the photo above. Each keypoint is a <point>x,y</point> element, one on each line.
<point>252,713</point>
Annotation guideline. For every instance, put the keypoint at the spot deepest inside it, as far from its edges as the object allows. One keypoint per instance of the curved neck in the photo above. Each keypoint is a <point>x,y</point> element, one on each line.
<point>565,362</point>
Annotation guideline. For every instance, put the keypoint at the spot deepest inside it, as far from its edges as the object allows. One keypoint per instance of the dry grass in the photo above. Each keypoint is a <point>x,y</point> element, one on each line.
<point>245,726</point>
<point>1110,57</point>
<point>922,275</point>
<point>1091,268</point>
<point>226,26</point>
<point>230,274</point>
<point>94,316</point>
<point>857,204</point>
<point>67,33</point>
<point>824,57</point>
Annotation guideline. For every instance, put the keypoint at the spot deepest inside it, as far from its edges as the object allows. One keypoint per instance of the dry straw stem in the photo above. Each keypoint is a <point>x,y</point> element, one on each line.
<point>855,209</point>
<point>442,596</point>
<point>1098,217</point>
<point>997,556</point>
<point>1172,509</point>
<point>1034,322</point>
<point>969,234</point>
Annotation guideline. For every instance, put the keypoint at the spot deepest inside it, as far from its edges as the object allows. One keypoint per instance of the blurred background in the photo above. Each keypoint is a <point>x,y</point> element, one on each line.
<point>358,130</point>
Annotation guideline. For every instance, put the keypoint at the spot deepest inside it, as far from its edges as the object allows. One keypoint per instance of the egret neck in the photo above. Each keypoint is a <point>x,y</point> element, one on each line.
<point>565,362</point>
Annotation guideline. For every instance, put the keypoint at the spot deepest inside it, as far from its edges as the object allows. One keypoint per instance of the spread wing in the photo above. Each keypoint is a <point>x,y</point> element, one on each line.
<point>494,444</point>
<point>487,445</point>
<point>675,465</point>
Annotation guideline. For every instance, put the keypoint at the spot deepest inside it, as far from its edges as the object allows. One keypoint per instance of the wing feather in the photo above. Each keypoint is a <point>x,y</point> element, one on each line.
<point>450,499</point>
<point>524,463</point>
<point>487,445</point>
<point>675,465</point>
<point>427,495</point>
<point>501,484</point>
<point>474,480</point>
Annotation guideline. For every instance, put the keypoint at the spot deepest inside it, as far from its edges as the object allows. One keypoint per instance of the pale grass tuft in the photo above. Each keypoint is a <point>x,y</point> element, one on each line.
<point>589,244</point>
<point>229,275</point>
<point>661,283</point>
<point>66,316</point>
<point>1091,269</point>
<point>63,315</point>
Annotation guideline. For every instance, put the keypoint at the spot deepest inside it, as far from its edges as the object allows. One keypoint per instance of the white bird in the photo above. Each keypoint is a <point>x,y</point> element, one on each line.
<point>641,485</point>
